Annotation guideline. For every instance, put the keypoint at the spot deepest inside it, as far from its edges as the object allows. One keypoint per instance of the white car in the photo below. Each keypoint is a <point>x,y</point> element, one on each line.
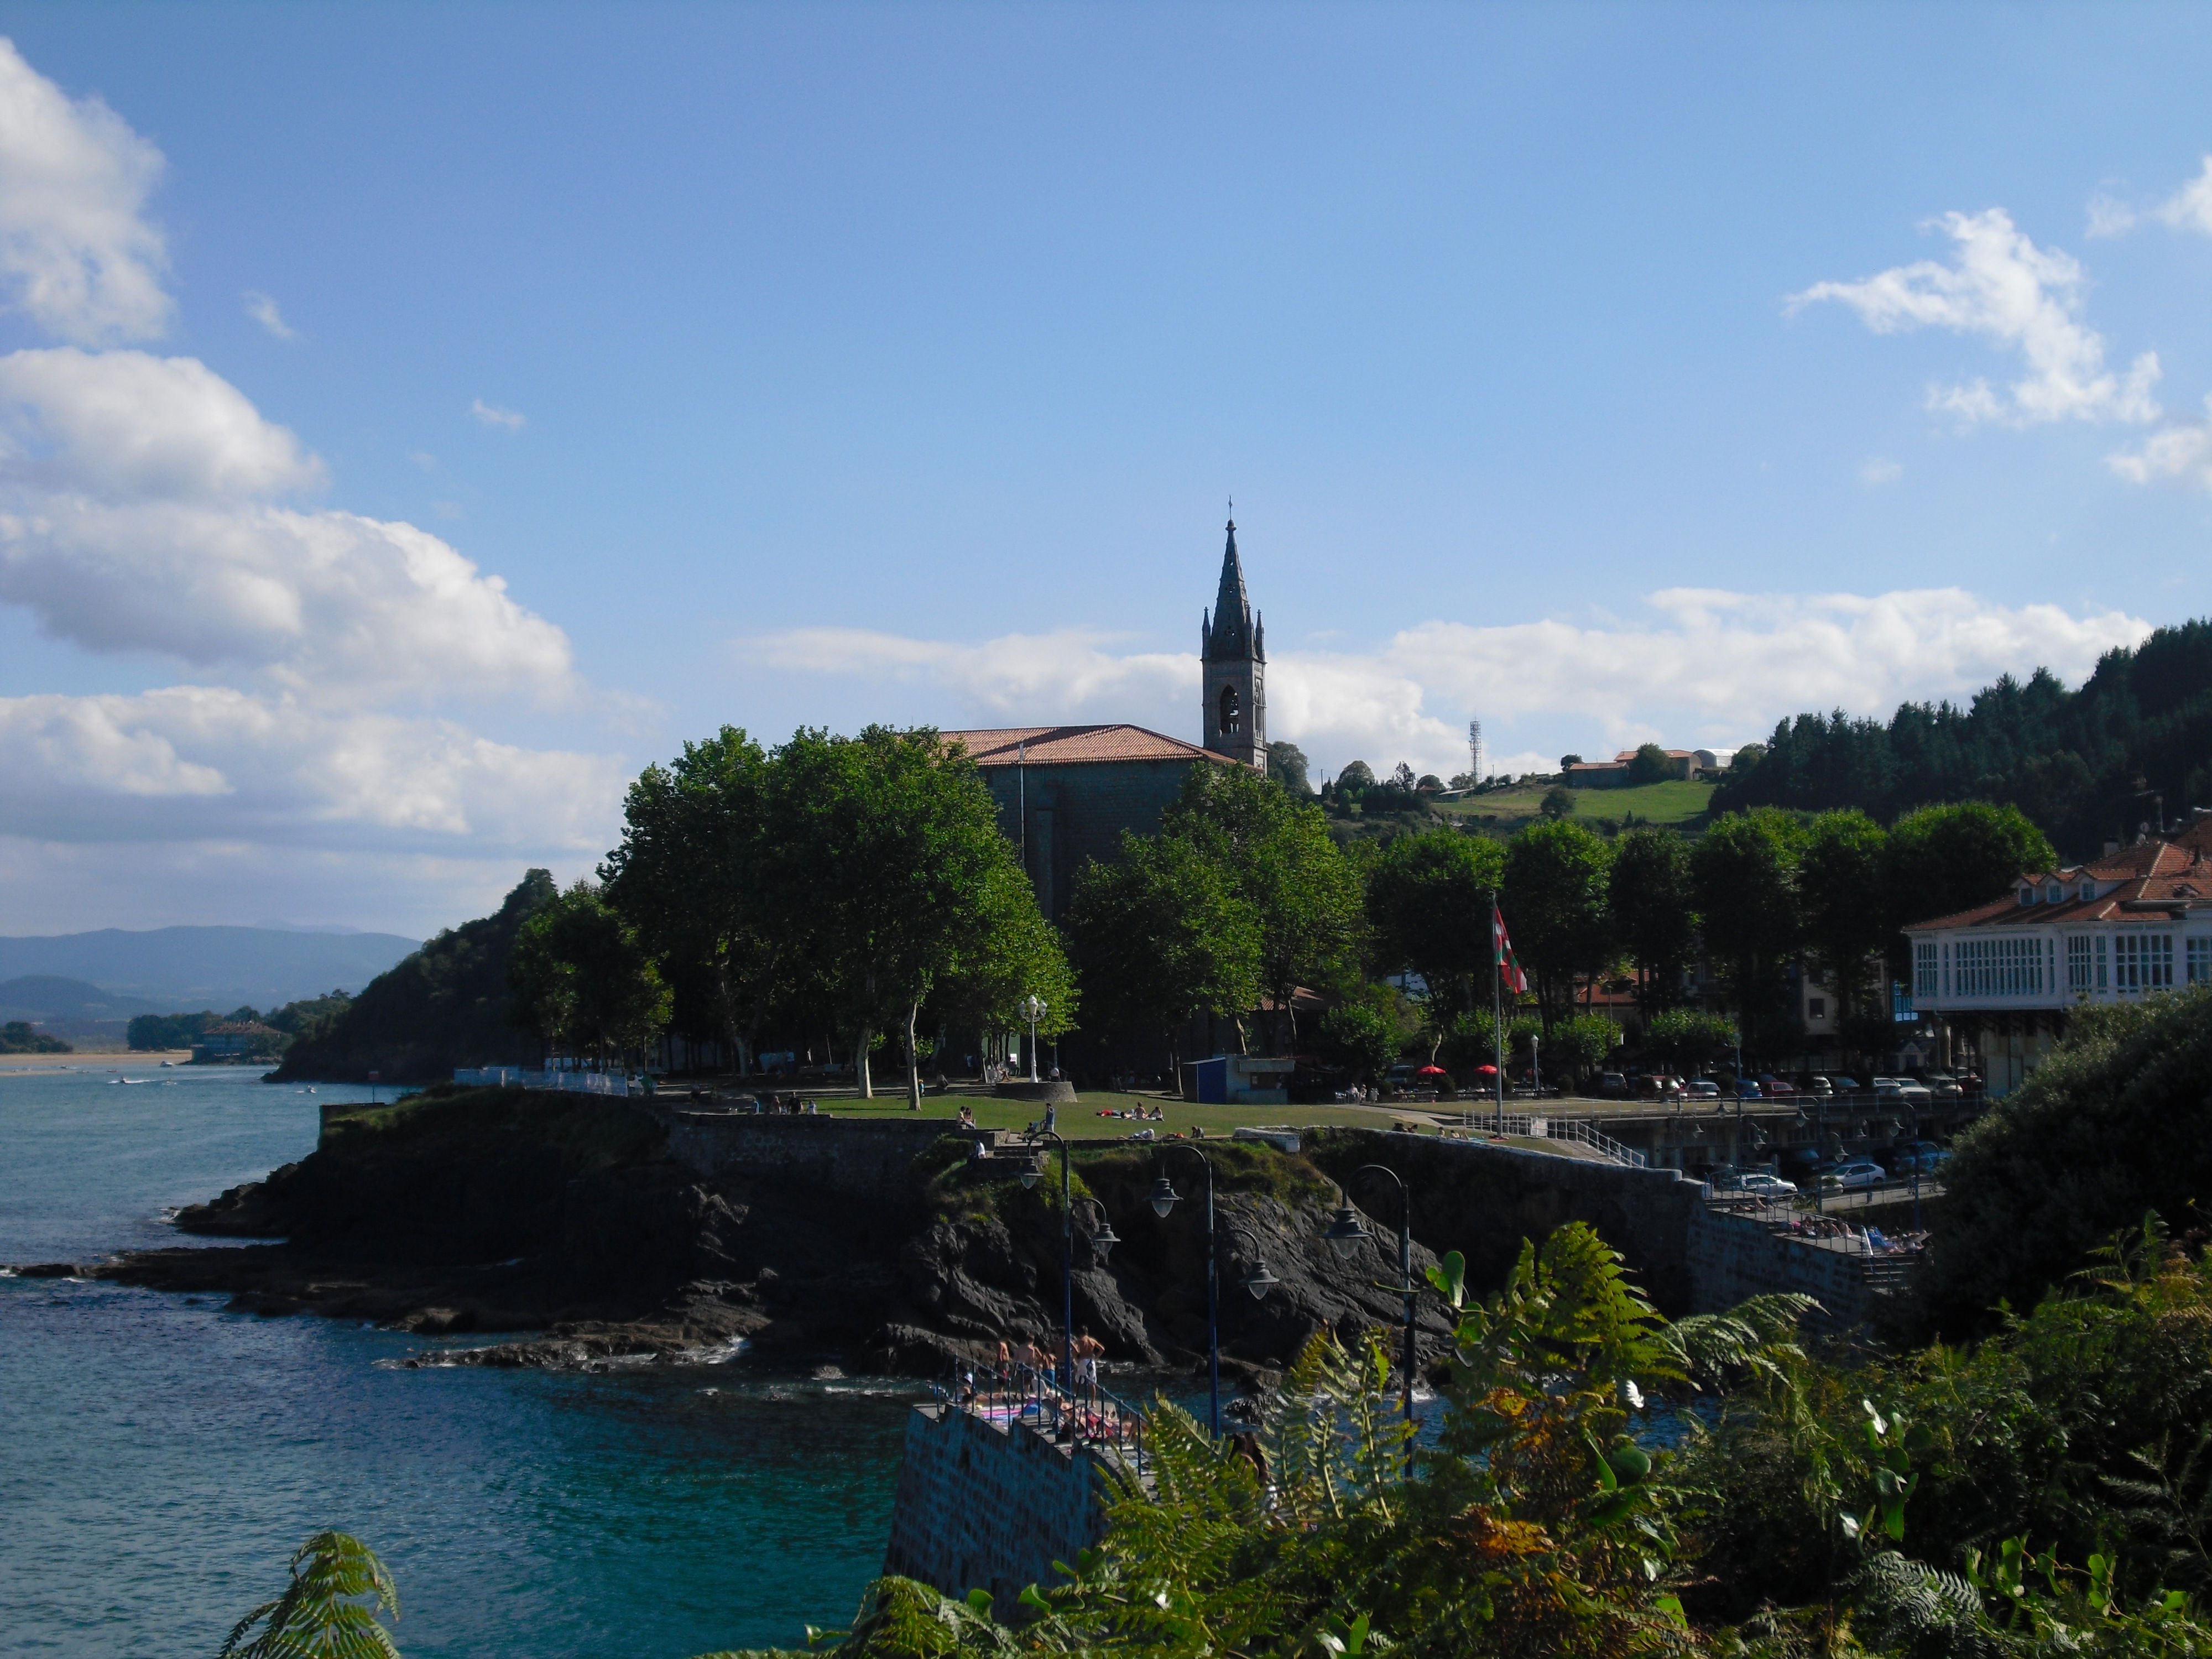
<point>1857,1172</point>
<point>1773,1188</point>
<point>1904,1089</point>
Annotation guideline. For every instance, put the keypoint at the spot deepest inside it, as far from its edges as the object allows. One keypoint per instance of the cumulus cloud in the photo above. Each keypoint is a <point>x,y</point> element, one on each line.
<point>2003,288</point>
<point>1697,666</point>
<point>76,254</point>
<point>143,507</point>
<point>198,762</point>
<point>489,416</point>
<point>262,310</point>
<point>2182,454</point>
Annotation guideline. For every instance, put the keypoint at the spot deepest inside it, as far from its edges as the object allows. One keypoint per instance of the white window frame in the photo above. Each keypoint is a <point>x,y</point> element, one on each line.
<point>2200,959</point>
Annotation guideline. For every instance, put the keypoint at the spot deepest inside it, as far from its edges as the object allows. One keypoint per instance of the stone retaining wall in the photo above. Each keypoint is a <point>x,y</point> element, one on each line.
<point>863,1157</point>
<point>986,1506</point>
<point>1733,1258</point>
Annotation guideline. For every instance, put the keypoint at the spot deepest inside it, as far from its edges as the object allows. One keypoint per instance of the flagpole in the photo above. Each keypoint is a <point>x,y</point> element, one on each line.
<point>1497,1006</point>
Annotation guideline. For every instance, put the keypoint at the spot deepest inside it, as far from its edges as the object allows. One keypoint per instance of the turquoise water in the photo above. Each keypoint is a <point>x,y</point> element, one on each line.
<point>160,1458</point>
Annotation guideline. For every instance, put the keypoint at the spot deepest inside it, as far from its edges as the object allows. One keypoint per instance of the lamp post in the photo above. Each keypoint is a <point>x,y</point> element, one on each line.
<point>1101,1242</point>
<point>1346,1235</point>
<point>1032,1011</point>
<point>1258,1279</point>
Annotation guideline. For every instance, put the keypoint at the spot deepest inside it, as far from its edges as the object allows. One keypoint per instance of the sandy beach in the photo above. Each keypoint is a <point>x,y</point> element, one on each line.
<point>93,1062</point>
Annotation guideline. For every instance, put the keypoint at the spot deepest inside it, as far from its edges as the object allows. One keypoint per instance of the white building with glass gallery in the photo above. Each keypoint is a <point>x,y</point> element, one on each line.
<point>1998,980</point>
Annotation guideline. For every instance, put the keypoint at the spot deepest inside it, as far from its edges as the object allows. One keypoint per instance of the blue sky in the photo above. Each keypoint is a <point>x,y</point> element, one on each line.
<point>413,420</point>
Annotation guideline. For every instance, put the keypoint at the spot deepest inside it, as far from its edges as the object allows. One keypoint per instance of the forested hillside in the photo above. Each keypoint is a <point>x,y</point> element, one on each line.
<point>2081,763</point>
<point>447,1005</point>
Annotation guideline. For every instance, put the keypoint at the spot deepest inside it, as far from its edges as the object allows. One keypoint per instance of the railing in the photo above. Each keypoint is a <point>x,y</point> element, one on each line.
<point>1031,1396</point>
<point>513,1077</point>
<point>1576,1131</point>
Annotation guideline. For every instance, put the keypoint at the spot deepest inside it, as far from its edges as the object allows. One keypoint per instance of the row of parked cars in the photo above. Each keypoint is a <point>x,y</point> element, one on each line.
<point>1921,1090</point>
<point>1857,1170</point>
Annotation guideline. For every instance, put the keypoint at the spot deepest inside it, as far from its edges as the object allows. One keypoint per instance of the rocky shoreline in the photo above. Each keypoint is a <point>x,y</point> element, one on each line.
<point>560,1225</point>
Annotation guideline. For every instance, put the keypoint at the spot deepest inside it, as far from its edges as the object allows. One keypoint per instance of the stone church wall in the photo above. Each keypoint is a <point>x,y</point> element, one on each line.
<point>1077,813</point>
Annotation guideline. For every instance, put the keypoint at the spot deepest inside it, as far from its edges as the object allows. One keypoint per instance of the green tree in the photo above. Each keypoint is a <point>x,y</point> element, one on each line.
<point>1743,876</point>
<point>1287,764</point>
<point>1355,776</point>
<point>1361,1038</point>
<point>1686,1038</point>
<point>1648,892</point>
<point>1554,900</point>
<point>1948,858</point>
<point>1845,900</point>
<point>1580,1046</point>
<point>1278,855</point>
<point>1649,764</point>
<point>1558,802</point>
<point>584,978</point>
<point>1163,933</point>
<point>697,872</point>
<point>1428,913</point>
<point>893,842</point>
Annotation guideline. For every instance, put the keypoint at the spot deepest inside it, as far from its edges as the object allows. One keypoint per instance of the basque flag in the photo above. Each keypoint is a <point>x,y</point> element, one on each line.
<point>1502,953</point>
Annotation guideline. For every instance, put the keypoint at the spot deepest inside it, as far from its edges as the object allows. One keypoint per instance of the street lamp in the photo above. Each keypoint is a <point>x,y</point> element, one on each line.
<point>1101,1243</point>
<point>1164,1198</point>
<point>1346,1235</point>
<point>1032,1011</point>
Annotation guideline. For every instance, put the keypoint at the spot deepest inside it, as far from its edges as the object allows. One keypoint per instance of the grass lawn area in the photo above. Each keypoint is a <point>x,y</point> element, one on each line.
<point>1678,802</point>
<point>1082,1119</point>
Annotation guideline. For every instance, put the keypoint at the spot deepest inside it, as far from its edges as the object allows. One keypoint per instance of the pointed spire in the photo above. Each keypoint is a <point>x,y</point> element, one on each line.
<point>1233,612</point>
<point>1259,638</point>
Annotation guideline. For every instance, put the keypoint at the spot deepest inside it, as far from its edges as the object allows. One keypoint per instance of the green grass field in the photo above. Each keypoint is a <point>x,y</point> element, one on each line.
<point>1679,803</point>
<point>1082,1119</point>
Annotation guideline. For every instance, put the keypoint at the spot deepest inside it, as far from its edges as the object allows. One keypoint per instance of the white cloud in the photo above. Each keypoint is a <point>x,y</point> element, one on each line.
<point>1877,470</point>
<point>2182,453</point>
<point>195,762</point>
<point>2189,208</point>
<point>2109,215</point>
<point>2004,288</point>
<point>75,253</point>
<point>1698,667</point>
<point>490,415</point>
<point>142,509</point>
<point>262,310</point>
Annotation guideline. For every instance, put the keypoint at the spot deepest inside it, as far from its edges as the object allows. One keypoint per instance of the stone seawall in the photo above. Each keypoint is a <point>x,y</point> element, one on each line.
<point>1482,1199</point>
<point>858,1157</point>
<point>985,1505</point>
<point>1733,1258</point>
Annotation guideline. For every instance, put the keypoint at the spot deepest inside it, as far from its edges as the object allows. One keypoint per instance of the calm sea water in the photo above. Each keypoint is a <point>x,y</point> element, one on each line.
<point>160,1458</point>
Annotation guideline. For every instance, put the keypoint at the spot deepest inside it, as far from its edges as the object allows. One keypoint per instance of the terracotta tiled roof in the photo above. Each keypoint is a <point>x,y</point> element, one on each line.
<point>2146,877</point>
<point>1075,745</point>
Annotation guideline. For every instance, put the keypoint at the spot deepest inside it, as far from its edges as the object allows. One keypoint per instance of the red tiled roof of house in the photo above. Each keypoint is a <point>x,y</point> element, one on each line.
<point>1075,745</point>
<point>2148,876</point>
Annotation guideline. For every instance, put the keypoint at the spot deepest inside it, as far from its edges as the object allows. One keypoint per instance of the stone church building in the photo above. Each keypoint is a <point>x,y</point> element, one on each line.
<point>1067,793</point>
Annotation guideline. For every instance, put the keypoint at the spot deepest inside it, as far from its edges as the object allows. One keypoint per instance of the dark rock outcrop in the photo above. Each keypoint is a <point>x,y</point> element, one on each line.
<point>500,1211</point>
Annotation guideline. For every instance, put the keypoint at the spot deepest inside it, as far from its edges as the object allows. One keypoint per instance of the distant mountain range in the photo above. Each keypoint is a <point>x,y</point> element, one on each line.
<point>48,999</point>
<point>183,969</point>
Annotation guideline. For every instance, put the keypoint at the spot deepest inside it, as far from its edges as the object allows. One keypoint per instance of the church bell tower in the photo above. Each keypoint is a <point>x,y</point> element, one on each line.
<point>1233,653</point>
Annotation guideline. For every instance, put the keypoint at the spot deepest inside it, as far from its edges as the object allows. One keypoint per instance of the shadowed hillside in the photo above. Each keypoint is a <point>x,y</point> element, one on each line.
<point>447,1005</point>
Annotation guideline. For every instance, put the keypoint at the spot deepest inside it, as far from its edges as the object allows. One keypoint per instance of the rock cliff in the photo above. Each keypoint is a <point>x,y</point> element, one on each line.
<point>564,1216</point>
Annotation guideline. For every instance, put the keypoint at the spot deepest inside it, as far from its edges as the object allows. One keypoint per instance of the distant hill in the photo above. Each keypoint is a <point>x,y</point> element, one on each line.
<point>447,1005</point>
<point>174,970</point>
<point>2083,764</point>
<point>48,999</point>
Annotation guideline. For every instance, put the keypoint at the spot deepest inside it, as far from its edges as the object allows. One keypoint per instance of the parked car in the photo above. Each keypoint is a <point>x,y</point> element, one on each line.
<point>1773,1188</point>
<point>1923,1157</point>
<point>1701,1088</point>
<point>1659,1086</point>
<point>1776,1088</point>
<point>1903,1090</point>
<point>1845,1085</point>
<point>1400,1076</point>
<point>1818,1087</point>
<point>1942,1086</point>
<point>1853,1173</point>
<point>1746,1089</point>
<point>1610,1085</point>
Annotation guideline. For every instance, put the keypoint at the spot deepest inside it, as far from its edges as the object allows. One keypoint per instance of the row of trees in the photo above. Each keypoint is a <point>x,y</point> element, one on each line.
<point>856,883</point>
<point>862,886</point>
<point>2083,764</point>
